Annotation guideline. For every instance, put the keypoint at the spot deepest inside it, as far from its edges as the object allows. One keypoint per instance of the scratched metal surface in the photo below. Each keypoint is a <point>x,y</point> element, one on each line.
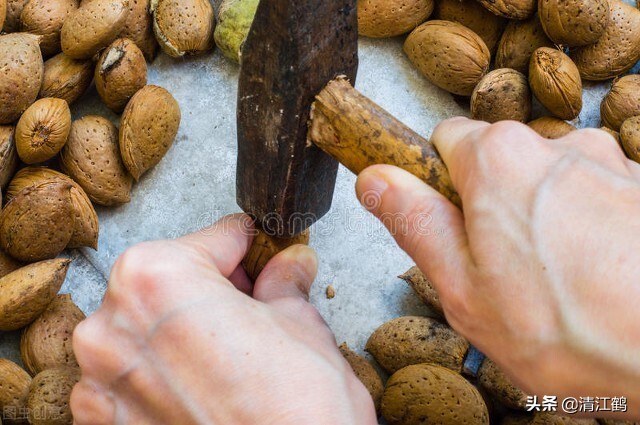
<point>194,185</point>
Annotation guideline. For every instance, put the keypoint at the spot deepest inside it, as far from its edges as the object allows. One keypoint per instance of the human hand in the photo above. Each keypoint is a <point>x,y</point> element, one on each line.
<point>542,272</point>
<point>178,341</point>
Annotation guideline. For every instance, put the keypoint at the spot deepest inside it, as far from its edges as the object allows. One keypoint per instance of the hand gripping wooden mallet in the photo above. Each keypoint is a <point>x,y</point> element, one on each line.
<point>299,115</point>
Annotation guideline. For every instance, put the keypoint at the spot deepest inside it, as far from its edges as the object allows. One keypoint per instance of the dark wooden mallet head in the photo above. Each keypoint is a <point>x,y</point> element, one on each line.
<point>293,50</point>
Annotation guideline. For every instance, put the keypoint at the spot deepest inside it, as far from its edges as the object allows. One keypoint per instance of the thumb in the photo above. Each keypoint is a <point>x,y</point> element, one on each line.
<point>289,274</point>
<point>423,222</point>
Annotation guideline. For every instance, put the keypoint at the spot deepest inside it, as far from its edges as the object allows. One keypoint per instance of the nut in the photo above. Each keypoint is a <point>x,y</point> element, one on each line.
<point>388,18</point>
<point>22,74</point>
<point>26,292</point>
<point>574,23</point>
<point>264,247</point>
<point>234,21</point>
<point>14,390</point>
<point>38,223</point>
<point>424,289</point>
<point>139,28</point>
<point>91,157</point>
<point>411,340</point>
<point>93,26</point>
<point>556,83</point>
<point>622,102</point>
<point>47,342</point>
<point>14,10</point>
<point>617,51</point>
<point>85,225</point>
<point>630,137</point>
<point>493,379</point>
<point>450,55</point>
<point>43,130</point>
<point>426,392</point>
<point>511,9</point>
<point>66,78</point>
<point>120,73</point>
<point>49,395</point>
<point>551,128</point>
<point>3,15</point>
<point>45,18</point>
<point>183,27</point>
<point>148,127</point>
<point>502,94</point>
<point>8,154</point>
<point>366,373</point>
<point>519,41</point>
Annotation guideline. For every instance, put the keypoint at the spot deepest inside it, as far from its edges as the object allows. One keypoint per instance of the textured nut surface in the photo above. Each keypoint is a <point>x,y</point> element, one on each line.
<point>412,339</point>
<point>38,223</point>
<point>21,69</point>
<point>8,264</point>
<point>519,40</point>
<point>120,73</point>
<point>45,18</point>
<point>449,55</point>
<point>622,102</point>
<point>14,390</point>
<point>26,292</point>
<point>474,16</point>
<point>492,379</point>
<point>43,130</point>
<point>630,137</point>
<point>148,128</point>
<point>14,10</point>
<point>91,157</point>
<point>502,94</point>
<point>139,28</point>
<point>389,18</point>
<point>183,27</point>
<point>424,289</point>
<point>93,26</point>
<point>556,83</point>
<point>617,51</point>
<point>47,342</point>
<point>234,21</point>
<point>8,154</point>
<point>365,372</point>
<point>551,128</point>
<point>66,78</point>
<point>574,23</point>
<point>85,225</point>
<point>511,9</point>
<point>49,395</point>
<point>430,394</point>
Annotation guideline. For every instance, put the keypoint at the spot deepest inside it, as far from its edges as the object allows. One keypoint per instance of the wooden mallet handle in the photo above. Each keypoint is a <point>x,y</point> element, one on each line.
<point>358,133</point>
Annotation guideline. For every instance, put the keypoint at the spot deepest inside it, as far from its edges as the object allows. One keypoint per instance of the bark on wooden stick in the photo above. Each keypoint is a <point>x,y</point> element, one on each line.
<point>358,133</point>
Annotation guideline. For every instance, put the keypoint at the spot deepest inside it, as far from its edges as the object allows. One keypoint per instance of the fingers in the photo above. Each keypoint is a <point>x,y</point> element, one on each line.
<point>289,274</point>
<point>424,223</point>
<point>91,406</point>
<point>224,244</point>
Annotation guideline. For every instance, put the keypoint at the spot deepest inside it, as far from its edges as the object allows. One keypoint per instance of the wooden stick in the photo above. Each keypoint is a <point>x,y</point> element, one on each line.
<point>358,133</point>
<point>265,247</point>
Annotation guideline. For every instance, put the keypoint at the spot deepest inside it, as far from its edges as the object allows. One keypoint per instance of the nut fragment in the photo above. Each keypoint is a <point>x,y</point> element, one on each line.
<point>120,73</point>
<point>22,70</point>
<point>148,127</point>
<point>43,130</point>
<point>91,157</point>
<point>502,94</point>
<point>556,83</point>
<point>85,226</point>
<point>47,342</point>
<point>38,223</point>
<point>66,78</point>
<point>183,27</point>
<point>45,18</point>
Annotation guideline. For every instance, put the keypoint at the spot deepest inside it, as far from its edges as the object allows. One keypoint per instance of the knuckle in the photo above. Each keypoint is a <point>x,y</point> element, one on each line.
<point>137,269</point>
